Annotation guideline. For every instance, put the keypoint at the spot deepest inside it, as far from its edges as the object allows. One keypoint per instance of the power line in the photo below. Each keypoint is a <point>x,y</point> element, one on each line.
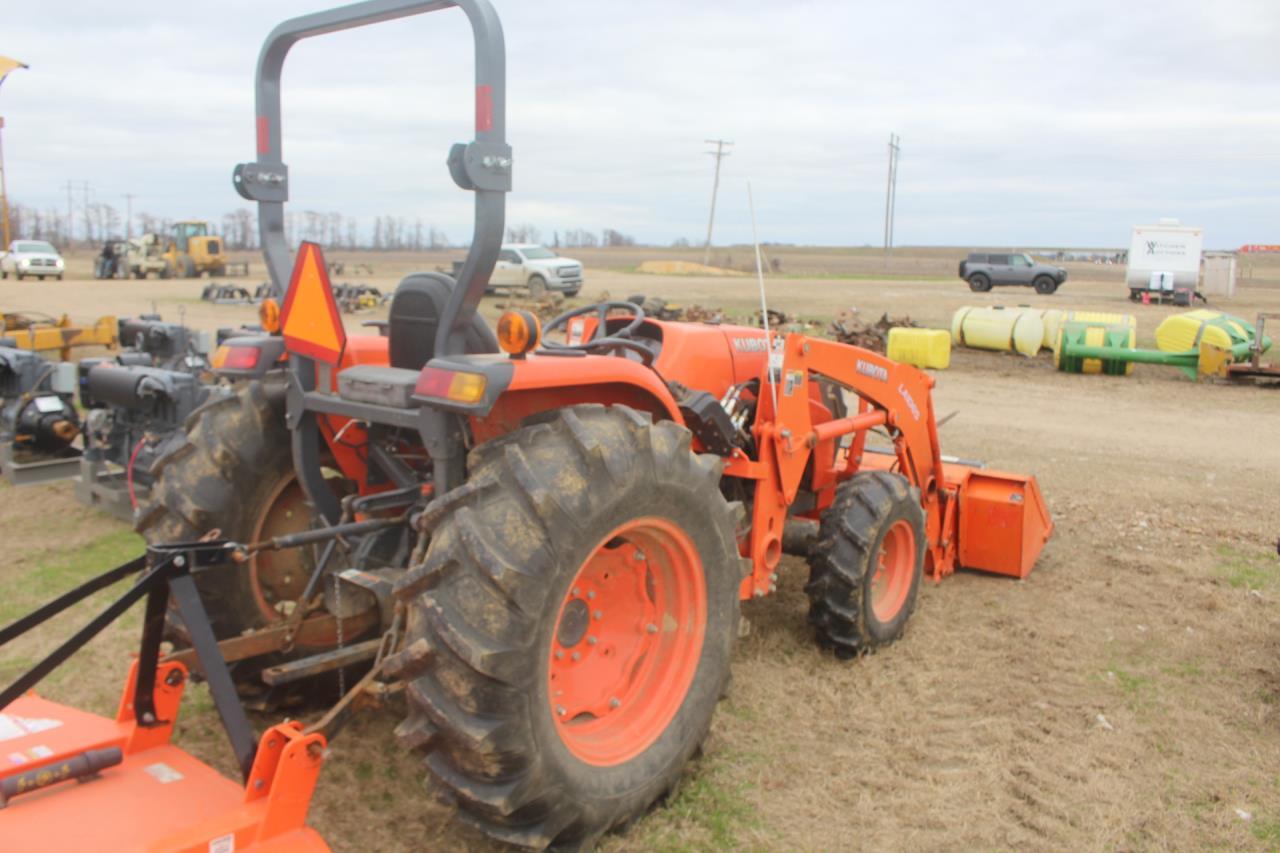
<point>71,221</point>
<point>891,194</point>
<point>719,154</point>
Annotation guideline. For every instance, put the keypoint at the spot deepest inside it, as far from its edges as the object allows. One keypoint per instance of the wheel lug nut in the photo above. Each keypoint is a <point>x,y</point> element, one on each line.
<point>599,614</point>
<point>560,710</point>
<point>591,593</point>
<point>577,656</point>
<point>576,592</point>
<point>559,655</point>
<point>639,556</point>
<point>651,628</point>
<point>614,703</point>
<point>591,641</point>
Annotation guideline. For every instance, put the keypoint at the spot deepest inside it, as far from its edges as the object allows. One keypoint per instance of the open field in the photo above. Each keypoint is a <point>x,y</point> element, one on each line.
<point>1126,695</point>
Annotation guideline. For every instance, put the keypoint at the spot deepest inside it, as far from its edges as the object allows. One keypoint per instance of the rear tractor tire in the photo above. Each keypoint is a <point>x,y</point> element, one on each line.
<point>570,629</point>
<point>865,570</point>
<point>233,471</point>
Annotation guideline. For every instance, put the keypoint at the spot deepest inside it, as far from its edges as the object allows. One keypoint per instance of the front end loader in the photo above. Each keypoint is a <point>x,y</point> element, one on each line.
<point>541,535</point>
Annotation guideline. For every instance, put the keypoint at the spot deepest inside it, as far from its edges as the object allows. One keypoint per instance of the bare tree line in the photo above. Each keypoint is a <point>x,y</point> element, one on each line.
<point>99,221</point>
<point>574,238</point>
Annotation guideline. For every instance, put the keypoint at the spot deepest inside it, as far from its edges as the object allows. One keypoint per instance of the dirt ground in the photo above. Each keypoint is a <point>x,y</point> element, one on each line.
<point>1126,695</point>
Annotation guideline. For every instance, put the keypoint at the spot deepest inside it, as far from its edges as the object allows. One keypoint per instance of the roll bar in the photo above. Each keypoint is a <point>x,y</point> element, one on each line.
<point>482,166</point>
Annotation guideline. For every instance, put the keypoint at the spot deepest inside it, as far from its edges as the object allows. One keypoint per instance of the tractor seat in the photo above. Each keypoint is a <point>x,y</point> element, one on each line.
<point>412,325</point>
<point>414,320</point>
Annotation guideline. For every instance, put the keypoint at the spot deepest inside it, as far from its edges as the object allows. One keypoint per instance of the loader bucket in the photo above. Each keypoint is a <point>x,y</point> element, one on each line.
<point>1003,523</point>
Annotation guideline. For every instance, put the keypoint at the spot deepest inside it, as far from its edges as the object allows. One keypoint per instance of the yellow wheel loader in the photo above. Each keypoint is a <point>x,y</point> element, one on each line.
<point>193,251</point>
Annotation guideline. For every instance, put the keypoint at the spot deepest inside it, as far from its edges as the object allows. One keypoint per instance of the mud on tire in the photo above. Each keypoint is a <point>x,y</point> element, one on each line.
<point>857,602</point>
<point>489,620</point>
<point>232,467</point>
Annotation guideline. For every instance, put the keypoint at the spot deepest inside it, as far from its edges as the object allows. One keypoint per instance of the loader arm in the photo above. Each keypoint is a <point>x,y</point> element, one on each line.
<point>893,395</point>
<point>1004,514</point>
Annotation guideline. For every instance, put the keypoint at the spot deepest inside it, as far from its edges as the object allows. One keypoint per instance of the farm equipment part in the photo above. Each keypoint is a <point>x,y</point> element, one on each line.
<point>234,294</point>
<point>556,525</point>
<point>1199,343</point>
<point>136,403</point>
<point>134,786</point>
<point>56,337</point>
<point>352,298</point>
<point>131,402</point>
<point>38,420</point>
<point>1254,369</point>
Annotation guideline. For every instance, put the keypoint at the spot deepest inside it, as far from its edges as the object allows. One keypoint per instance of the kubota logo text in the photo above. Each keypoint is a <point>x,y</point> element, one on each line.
<point>875,371</point>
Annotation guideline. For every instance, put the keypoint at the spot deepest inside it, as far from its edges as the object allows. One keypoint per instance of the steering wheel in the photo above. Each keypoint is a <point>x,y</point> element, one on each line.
<point>600,339</point>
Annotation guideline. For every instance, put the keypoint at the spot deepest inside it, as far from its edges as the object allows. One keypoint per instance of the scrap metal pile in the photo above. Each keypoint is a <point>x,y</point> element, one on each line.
<point>849,328</point>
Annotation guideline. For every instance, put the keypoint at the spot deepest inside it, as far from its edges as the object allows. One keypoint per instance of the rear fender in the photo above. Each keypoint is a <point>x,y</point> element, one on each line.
<point>544,383</point>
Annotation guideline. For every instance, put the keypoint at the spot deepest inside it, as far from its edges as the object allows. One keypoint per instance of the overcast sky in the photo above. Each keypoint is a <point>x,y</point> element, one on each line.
<point>1022,124</point>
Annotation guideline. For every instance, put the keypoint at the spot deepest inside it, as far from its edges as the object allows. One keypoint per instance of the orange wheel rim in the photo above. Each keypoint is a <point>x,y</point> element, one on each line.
<point>627,642</point>
<point>894,568</point>
<point>279,576</point>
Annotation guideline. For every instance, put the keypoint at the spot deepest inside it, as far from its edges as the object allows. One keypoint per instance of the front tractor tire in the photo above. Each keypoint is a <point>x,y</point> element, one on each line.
<point>865,569</point>
<point>570,630</point>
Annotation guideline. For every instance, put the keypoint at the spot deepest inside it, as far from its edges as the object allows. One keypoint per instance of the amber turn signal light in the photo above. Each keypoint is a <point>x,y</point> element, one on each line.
<point>269,315</point>
<point>519,332</point>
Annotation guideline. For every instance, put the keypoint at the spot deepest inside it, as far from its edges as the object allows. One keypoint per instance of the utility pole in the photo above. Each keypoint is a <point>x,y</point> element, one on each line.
<point>4,198</point>
<point>128,216</point>
<point>71,221</point>
<point>6,65</point>
<point>85,189</point>
<point>891,194</point>
<point>719,154</point>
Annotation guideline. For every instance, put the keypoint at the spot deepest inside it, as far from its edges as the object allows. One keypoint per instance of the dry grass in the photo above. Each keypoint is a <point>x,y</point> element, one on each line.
<point>1156,608</point>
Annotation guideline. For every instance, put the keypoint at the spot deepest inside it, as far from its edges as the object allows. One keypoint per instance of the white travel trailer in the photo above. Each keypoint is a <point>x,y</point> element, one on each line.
<point>1164,257</point>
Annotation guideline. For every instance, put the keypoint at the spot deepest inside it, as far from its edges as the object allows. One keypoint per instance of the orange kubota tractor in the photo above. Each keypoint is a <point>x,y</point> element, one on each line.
<point>541,536</point>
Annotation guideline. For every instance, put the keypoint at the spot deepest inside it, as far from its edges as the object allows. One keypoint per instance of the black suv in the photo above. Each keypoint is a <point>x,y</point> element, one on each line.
<point>984,269</point>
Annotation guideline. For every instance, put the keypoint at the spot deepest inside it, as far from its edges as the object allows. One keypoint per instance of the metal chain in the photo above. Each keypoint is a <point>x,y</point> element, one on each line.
<point>337,606</point>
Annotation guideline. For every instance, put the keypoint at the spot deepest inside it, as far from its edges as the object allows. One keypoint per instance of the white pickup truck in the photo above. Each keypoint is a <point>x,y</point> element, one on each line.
<point>528,265</point>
